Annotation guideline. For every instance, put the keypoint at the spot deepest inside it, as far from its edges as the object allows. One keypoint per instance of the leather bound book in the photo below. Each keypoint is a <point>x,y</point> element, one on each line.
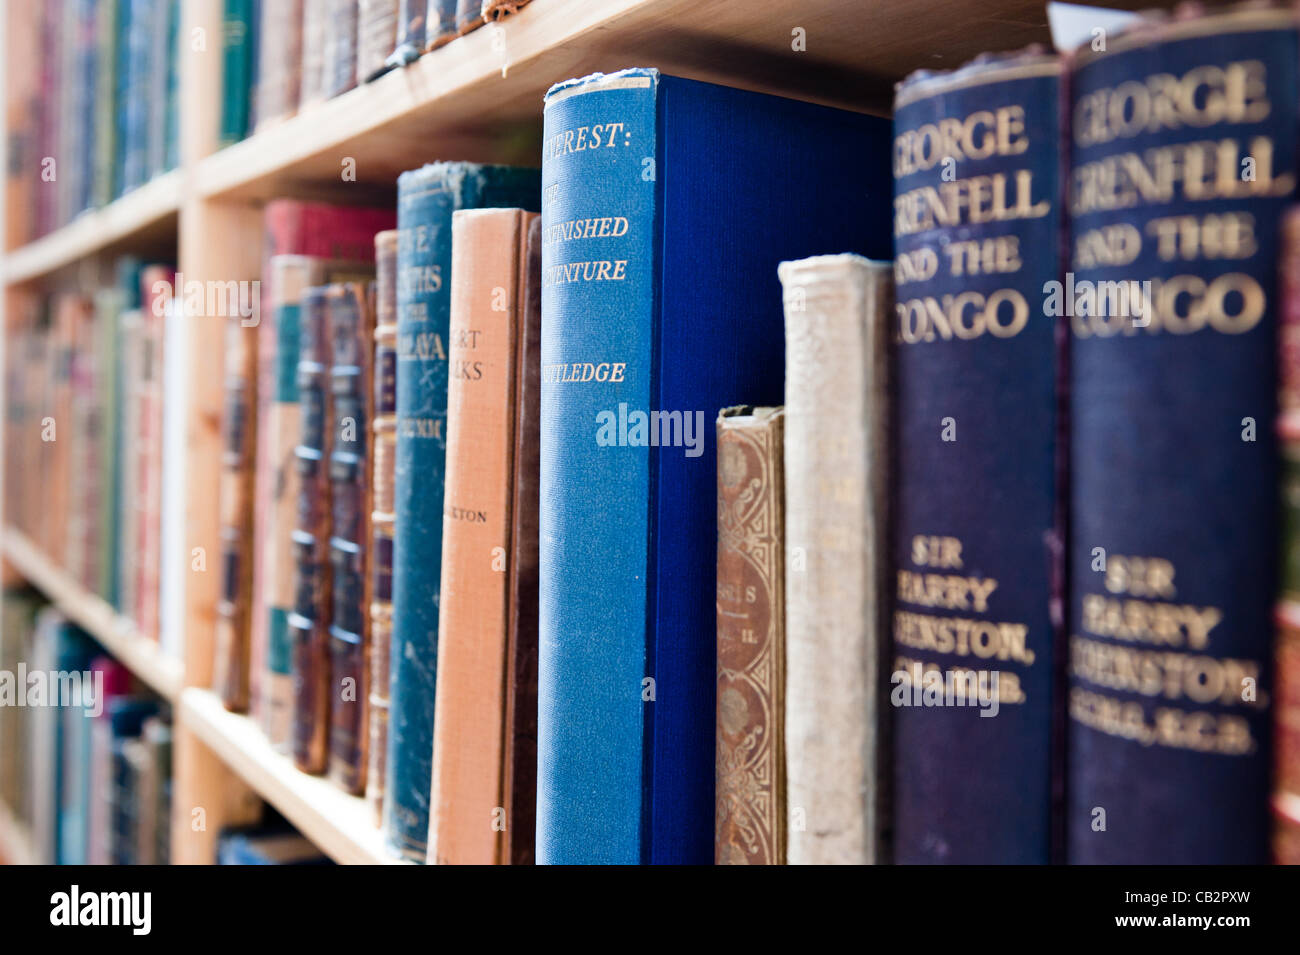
<point>976,542</point>
<point>520,773</point>
<point>469,16</point>
<point>376,36</point>
<point>315,14</point>
<point>440,24</point>
<point>749,785</point>
<point>310,620</point>
<point>837,310</point>
<point>156,282</point>
<point>131,328</point>
<point>650,323</point>
<point>281,429</point>
<point>231,672</point>
<point>351,329</point>
<point>494,11</point>
<point>426,199</point>
<point>410,32</point>
<point>384,442</point>
<point>339,64</point>
<point>468,814</point>
<point>237,46</point>
<point>1173,396</point>
<point>279,63</point>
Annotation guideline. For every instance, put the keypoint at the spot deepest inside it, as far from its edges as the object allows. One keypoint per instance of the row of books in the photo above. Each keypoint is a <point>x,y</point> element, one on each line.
<point>280,58</point>
<point>93,90</point>
<point>96,426</point>
<point>85,754</point>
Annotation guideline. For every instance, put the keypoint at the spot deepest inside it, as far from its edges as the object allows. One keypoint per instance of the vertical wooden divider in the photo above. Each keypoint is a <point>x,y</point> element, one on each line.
<point>218,241</point>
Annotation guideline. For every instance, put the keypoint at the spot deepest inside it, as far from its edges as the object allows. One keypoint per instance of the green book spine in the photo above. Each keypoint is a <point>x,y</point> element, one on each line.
<point>237,62</point>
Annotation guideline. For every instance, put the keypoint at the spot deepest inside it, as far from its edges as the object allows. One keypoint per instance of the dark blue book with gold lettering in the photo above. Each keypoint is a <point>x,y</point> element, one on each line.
<point>1183,157</point>
<point>426,198</point>
<point>977,231</point>
<point>667,205</point>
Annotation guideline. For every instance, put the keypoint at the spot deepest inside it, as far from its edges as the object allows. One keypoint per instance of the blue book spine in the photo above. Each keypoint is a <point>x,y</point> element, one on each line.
<point>426,199</point>
<point>661,304</point>
<point>977,489</point>
<point>1176,197</point>
<point>411,18</point>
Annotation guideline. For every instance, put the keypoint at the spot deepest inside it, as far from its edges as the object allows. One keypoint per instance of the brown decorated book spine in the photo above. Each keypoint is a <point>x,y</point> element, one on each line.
<point>156,290</point>
<point>351,329</point>
<point>384,441</point>
<point>309,622</point>
<point>131,326</point>
<point>235,499</point>
<point>489,273</point>
<point>520,769</point>
<point>750,779</point>
<point>279,66</point>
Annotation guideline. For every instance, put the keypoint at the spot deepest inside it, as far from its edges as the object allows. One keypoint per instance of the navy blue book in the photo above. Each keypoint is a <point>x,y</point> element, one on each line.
<point>426,198</point>
<point>977,233</point>
<point>1183,159</point>
<point>667,205</point>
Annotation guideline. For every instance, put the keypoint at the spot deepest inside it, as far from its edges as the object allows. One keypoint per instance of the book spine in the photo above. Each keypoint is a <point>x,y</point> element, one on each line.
<point>520,783</point>
<point>351,331</point>
<point>591,692</point>
<point>978,495</point>
<point>836,459</point>
<point>159,62</point>
<point>410,32</point>
<point>384,439</point>
<point>131,325</point>
<point>315,14</point>
<point>1173,318</point>
<point>426,199</point>
<point>108,310</point>
<point>156,288</point>
<point>279,68</point>
<point>106,27</point>
<point>290,275</point>
<point>339,66</point>
<point>376,37</point>
<point>236,47</point>
<point>750,788</point>
<point>487,254</point>
<point>309,623</point>
<point>1286,654</point>
<point>439,23</point>
<point>469,16</point>
<point>231,665</point>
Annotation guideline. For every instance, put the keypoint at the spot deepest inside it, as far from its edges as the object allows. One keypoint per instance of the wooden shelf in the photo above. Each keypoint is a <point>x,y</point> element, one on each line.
<point>15,841</point>
<point>143,215</point>
<point>140,655</point>
<point>341,825</point>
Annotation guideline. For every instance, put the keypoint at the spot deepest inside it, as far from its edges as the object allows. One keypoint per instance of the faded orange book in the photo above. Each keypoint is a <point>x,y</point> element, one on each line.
<point>470,812</point>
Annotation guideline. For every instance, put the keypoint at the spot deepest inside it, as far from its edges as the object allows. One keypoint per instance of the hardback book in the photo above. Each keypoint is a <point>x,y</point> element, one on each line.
<point>81,796</point>
<point>972,674</point>
<point>131,330</point>
<point>231,664</point>
<point>837,454</point>
<point>341,238</point>
<point>279,60</point>
<point>47,119</point>
<point>156,282</point>
<point>267,845</point>
<point>157,735</point>
<point>489,331</point>
<point>107,32</point>
<point>281,429</point>
<point>339,45</point>
<point>315,14</point>
<point>376,37</point>
<point>350,319</point>
<point>426,199</point>
<point>126,718</point>
<point>309,622</point>
<point>18,609</point>
<point>410,32</point>
<point>136,103</point>
<point>23,199</point>
<point>176,556</point>
<point>647,321</point>
<point>749,823</point>
<point>384,442</point>
<point>109,304</point>
<point>1173,396</point>
<point>68,313</point>
<point>440,23</point>
<point>162,55</point>
<point>81,547</point>
<point>237,70</point>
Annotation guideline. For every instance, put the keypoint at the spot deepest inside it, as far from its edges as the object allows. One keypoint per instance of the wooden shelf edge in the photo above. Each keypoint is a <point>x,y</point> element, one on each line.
<point>15,840</point>
<point>119,220</point>
<point>143,657</point>
<point>339,824</point>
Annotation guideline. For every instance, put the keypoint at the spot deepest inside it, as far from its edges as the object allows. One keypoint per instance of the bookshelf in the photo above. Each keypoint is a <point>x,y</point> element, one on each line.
<point>478,98</point>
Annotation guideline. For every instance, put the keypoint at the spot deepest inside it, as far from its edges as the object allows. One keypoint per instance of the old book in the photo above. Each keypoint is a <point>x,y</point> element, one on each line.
<point>384,441</point>
<point>339,48</point>
<point>837,459</point>
<point>410,32</point>
<point>638,337</point>
<point>440,23</point>
<point>315,14</point>
<point>426,199</point>
<point>376,37</point>
<point>351,329</point>
<point>156,282</point>
<point>309,622</point>
<point>750,777</point>
<point>231,666</point>
<point>1173,395</point>
<point>494,11</point>
<point>279,67</point>
<point>176,552</point>
<point>82,434</point>
<point>237,45</point>
<point>131,329</point>
<point>1286,653</point>
<point>978,489</point>
<point>469,814</point>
